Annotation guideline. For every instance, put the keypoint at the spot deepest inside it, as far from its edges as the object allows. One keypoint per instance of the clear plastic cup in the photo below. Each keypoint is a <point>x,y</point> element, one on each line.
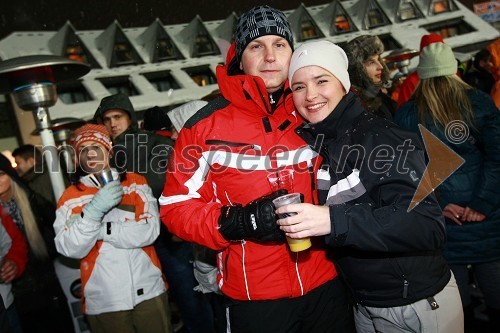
<point>281,180</point>
<point>295,244</point>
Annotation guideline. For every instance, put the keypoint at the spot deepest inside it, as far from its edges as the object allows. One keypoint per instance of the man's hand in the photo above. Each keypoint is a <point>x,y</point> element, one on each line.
<point>256,221</point>
<point>104,200</point>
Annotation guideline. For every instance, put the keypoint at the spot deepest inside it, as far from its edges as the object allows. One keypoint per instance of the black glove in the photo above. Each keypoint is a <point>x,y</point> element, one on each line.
<point>255,221</point>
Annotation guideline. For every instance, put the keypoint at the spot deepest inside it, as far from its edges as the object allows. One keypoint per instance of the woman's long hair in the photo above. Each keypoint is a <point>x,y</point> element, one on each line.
<point>444,99</point>
<point>35,239</point>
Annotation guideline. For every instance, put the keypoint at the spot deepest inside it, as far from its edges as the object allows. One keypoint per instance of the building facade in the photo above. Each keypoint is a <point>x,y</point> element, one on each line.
<point>168,65</point>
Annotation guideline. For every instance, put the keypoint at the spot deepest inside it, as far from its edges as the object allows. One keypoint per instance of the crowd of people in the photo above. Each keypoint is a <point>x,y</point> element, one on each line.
<point>181,212</point>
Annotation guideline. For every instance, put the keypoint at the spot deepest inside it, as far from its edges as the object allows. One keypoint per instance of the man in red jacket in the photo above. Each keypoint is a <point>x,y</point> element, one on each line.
<point>218,194</point>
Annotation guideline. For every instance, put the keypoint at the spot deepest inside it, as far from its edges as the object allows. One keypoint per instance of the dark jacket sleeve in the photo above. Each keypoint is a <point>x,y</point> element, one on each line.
<point>45,215</point>
<point>379,221</point>
<point>159,149</point>
<point>485,196</point>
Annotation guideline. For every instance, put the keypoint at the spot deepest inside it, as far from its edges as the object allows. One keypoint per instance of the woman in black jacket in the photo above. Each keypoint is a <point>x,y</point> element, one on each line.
<point>388,254</point>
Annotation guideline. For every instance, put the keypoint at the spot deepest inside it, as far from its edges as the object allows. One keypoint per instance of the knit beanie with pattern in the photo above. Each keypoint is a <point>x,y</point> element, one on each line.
<point>261,21</point>
<point>436,59</point>
<point>324,54</point>
<point>92,132</point>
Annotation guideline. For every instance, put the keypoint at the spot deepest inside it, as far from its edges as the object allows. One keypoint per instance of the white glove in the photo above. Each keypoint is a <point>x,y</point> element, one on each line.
<point>104,200</point>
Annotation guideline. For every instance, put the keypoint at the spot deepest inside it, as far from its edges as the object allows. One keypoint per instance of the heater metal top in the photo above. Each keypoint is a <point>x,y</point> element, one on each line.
<point>31,69</point>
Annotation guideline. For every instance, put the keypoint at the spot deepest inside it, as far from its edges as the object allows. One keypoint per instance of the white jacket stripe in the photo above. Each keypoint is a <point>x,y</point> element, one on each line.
<point>239,162</point>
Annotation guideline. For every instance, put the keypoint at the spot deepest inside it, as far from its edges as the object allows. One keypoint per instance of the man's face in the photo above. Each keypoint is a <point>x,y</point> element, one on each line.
<point>116,121</point>
<point>373,67</point>
<point>93,157</point>
<point>23,166</point>
<point>269,58</point>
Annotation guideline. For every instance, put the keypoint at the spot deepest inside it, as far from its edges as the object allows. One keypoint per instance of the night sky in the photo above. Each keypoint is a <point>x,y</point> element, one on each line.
<point>29,15</point>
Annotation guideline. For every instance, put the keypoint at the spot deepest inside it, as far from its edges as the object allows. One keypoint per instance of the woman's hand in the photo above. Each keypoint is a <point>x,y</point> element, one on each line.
<point>472,215</point>
<point>8,271</point>
<point>454,212</point>
<point>459,214</point>
<point>311,220</point>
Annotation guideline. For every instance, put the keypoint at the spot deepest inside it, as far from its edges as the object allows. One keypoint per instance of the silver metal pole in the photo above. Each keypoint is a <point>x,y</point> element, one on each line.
<point>50,151</point>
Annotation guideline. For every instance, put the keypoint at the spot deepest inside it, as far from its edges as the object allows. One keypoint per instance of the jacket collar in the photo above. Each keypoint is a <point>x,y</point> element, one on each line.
<point>121,138</point>
<point>339,120</point>
<point>90,180</point>
<point>29,175</point>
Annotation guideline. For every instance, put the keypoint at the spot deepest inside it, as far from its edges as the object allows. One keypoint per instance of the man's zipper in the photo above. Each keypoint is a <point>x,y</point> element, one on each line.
<point>232,144</point>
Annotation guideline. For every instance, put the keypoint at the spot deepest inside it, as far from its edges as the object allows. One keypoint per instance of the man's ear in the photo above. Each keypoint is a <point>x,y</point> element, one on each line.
<point>241,66</point>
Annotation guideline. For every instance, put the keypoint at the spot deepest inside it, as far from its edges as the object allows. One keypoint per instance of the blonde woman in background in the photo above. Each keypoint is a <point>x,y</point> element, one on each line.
<point>467,120</point>
<point>38,297</point>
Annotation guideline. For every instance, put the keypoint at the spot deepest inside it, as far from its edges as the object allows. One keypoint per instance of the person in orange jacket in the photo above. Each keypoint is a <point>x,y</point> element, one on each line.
<point>111,228</point>
<point>494,49</point>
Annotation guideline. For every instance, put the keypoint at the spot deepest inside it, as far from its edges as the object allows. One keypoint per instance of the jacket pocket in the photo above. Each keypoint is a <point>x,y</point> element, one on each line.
<point>222,143</point>
<point>403,276</point>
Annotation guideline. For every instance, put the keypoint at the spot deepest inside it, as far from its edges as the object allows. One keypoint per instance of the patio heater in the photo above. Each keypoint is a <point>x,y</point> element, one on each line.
<point>401,58</point>
<point>32,82</point>
<point>62,129</point>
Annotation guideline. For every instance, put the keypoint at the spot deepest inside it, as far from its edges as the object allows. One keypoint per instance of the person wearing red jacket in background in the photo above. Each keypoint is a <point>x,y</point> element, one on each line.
<point>494,49</point>
<point>13,259</point>
<point>217,193</point>
<point>410,83</point>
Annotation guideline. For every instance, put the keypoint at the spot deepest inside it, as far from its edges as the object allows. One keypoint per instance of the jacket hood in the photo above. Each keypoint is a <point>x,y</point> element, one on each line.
<point>117,101</point>
<point>245,91</point>
<point>232,63</point>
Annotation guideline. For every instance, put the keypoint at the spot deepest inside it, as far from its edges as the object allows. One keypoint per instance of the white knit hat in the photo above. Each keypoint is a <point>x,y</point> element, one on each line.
<point>324,54</point>
<point>436,59</point>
